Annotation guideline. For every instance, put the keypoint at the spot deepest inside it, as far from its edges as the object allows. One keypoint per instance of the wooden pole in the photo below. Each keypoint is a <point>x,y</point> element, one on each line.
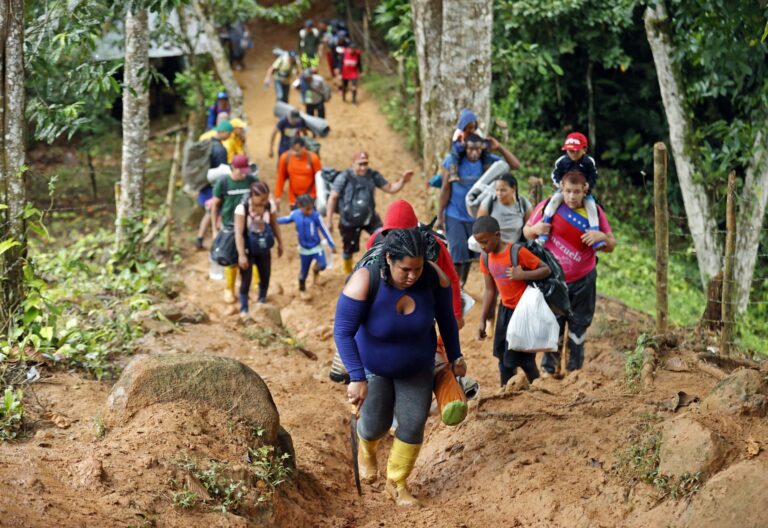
<point>661,215</point>
<point>728,276</point>
<point>366,30</point>
<point>535,189</point>
<point>171,191</point>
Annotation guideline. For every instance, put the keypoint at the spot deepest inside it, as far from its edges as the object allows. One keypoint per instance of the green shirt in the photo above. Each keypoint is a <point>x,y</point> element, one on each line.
<point>230,195</point>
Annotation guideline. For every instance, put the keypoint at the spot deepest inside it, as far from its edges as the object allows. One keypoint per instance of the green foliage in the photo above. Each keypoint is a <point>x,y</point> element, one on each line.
<point>634,360</point>
<point>393,17</point>
<point>68,91</point>
<point>78,305</point>
<point>11,413</point>
<point>188,84</point>
<point>268,466</point>
<point>183,499</point>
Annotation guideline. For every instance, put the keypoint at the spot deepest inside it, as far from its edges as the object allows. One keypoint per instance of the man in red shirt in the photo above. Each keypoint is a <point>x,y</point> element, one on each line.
<point>510,282</point>
<point>351,68</point>
<point>297,165</point>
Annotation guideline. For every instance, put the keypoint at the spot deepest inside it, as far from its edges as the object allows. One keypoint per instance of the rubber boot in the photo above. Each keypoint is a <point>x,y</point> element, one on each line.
<point>230,276</point>
<point>354,97</point>
<point>366,459</point>
<point>402,458</point>
<point>347,265</point>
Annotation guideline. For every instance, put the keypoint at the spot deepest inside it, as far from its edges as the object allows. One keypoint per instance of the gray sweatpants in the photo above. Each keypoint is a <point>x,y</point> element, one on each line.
<point>408,399</point>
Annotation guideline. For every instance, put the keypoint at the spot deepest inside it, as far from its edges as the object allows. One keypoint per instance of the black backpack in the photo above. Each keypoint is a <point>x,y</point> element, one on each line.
<point>554,288</point>
<point>374,255</point>
<point>357,205</point>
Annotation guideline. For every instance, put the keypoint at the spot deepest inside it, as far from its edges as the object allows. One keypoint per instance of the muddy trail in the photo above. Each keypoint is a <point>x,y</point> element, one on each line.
<point>541,457</point>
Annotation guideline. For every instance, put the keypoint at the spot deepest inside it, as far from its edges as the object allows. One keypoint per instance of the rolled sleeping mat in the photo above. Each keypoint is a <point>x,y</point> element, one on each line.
<point>316,124</point>
<point>323,190</point>
<point>483,187</point>
<point>216,173</point>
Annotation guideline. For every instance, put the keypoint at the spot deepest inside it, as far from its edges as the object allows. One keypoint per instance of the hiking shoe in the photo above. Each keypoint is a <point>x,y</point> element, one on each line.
<point>302,285</point>
<point>245,318</point>
<point>199,243</point>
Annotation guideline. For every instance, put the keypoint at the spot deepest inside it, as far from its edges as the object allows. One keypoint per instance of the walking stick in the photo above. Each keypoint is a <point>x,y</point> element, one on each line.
<point>353,443</point>
<point>564,353</point>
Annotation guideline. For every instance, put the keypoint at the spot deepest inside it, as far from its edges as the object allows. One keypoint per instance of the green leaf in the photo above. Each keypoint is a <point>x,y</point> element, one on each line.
<point>5,245</point>
<point>46,333</point>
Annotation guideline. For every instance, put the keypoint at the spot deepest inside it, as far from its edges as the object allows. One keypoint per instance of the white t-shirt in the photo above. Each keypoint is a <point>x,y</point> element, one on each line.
<point>256,223</point>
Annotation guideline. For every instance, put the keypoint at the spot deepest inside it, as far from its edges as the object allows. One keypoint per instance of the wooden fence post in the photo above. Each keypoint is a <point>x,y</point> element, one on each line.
<point>728,308</point>
<point>171,191</point>
<point>535,189</point>
<point>661,215</point>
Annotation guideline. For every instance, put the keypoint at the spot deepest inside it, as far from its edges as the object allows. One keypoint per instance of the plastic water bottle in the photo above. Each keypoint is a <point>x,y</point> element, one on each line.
<point>216,271</point>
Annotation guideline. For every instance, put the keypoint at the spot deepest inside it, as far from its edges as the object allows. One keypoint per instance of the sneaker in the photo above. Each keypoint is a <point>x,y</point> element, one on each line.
<point>229,297</point>
<point>199,243</point>
<point>545,374</point>
<point>245,317</point>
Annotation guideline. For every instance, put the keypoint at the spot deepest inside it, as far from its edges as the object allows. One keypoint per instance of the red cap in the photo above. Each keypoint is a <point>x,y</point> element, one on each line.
<point>400,215</point>
<point>240,161</point>
<point>575,141</point>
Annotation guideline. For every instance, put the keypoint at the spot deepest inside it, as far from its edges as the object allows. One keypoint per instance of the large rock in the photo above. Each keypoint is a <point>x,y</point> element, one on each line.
<point>735,497</point>
<point>742,392</point>
<point>217,382</point>
<point>689,447</point>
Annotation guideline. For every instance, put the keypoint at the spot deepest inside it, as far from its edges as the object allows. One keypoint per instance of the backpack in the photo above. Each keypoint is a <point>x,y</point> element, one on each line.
<point>554,288</point>
<point>374,255</point>
<point>195,164</point>
<point>323,185</point>
<point>356,202</point>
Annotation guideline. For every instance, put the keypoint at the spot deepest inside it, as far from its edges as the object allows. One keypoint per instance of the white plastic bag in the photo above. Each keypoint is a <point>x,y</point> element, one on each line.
<point>328,253</point>
<point>533,327</point>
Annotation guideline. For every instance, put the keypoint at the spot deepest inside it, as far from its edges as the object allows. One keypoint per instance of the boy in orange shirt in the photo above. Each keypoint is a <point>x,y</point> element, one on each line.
<point>510,285</point>
<point>298,165</point>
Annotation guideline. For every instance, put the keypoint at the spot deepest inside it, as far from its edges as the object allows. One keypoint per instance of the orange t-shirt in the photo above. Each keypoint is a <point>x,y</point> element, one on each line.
<point>300,173</point>
<point>510,290</point>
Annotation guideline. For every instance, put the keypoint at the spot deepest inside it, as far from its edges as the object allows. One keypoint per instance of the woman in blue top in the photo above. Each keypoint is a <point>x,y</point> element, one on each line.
<point>309,225</point>
<point>387,344</point>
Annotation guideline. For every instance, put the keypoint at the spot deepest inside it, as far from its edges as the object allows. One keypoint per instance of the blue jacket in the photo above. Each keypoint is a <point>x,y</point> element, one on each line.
<point>308,228</point>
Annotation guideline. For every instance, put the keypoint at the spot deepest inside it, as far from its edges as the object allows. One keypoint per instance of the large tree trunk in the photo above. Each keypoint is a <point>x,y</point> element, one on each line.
<point>220,60</point>
<point>453,46</point>
<point>135,126</point>
<point>751,216</point>
<point>700,219</point>
<point>12,156</point>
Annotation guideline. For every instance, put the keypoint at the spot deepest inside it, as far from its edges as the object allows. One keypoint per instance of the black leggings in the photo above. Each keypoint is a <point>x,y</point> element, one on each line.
<point>407,399</point>
<point>316,109</point>
<point>264,264</point>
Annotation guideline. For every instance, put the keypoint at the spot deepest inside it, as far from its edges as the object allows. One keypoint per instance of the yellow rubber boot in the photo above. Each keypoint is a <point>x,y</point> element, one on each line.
<point>347,266</point>
<point>366,459</point>
<point>402,457</point>
<point>230,276</point>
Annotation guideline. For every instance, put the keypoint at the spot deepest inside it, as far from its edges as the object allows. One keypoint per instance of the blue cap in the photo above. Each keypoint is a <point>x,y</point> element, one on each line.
<point>222,95</point>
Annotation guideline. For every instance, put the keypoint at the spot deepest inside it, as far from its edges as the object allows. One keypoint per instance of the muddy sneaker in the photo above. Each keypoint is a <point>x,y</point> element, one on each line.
<point>229,297</point>
<point>245,318</point>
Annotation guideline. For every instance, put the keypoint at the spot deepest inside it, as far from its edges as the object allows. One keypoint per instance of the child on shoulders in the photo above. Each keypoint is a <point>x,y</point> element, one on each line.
<point>466,126</point>
<point>308,229</point>
<point>575,158</point>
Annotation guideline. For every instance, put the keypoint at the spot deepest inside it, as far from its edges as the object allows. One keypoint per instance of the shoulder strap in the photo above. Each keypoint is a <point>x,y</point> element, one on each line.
<point>484,256</point>
<point>513,253</point>
<point>374,279</point>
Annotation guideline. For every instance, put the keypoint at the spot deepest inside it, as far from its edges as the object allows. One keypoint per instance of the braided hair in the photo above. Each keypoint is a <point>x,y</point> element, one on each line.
<point>401,243</point>
<point>258,188</point>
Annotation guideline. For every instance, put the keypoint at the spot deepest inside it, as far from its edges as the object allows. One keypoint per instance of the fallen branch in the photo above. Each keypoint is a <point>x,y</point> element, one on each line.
<point>711,370</point>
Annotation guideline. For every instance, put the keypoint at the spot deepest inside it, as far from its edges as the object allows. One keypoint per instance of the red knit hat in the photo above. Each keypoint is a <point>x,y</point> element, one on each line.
<point>400,215</point>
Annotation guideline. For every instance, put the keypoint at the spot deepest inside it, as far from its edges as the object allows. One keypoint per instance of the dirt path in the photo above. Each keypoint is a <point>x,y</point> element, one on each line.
<point>540,458</point>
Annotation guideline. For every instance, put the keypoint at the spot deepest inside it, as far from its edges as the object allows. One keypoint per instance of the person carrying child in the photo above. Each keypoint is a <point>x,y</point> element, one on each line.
<point>572,243</point>
<point>510,282</point>
<point>466,126</point>
<point>308,229</point>
<point>255,233</point>
<point>575,158</point>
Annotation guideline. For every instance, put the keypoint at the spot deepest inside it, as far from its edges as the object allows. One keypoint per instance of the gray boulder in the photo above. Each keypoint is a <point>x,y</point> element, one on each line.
<point>216,382</point>
<point>742,392</point>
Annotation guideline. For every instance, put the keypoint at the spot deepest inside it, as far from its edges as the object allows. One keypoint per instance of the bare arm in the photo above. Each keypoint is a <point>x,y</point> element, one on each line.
<point>539,228</point>
<point>268,76</point>
<point>489,296</point>
<point>272,142</point>
<point>542,271</point>
<point>392,188</point>
<point>333,199</point>
<point>510,158</point>
<point>242,258</point>
<point>215,202</point>
<point>278,236</point>
<point>445,197</point>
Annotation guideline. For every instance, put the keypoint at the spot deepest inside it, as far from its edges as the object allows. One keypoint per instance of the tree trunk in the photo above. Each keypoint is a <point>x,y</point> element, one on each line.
<point>220,60</point>
<point>700,219</point>
<point>751,217</point>
<point>591,122</point>
<point>12,157</point>
<point>454,59</point>
<point>135,126</point>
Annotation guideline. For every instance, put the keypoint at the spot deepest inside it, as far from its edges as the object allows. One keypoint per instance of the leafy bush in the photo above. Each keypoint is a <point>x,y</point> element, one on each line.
<point>11,413</point>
